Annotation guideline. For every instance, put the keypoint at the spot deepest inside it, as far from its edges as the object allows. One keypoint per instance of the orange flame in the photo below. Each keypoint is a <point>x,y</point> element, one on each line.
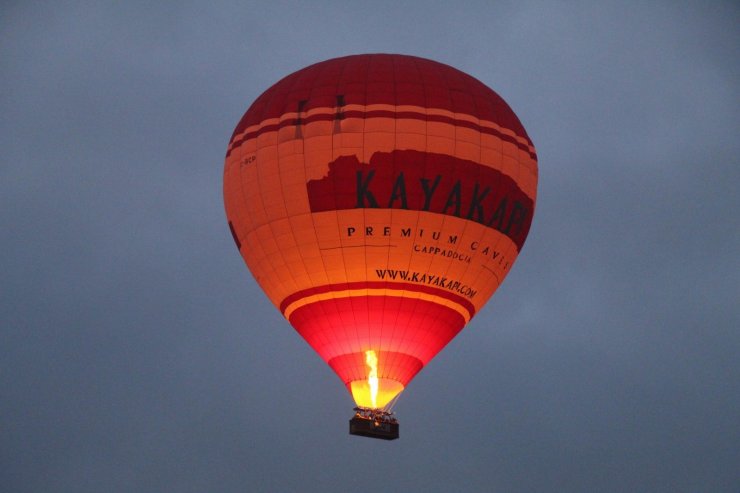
<point>374,392</point>
<point>372,377</point>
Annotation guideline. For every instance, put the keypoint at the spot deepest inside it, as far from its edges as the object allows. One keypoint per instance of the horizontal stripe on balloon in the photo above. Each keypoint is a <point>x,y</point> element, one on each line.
<point>466,308</point>
<point>354,293</point>
<point>324,117</point>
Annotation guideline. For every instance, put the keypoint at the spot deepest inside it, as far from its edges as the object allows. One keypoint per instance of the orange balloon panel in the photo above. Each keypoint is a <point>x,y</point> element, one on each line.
<point>379,201</point>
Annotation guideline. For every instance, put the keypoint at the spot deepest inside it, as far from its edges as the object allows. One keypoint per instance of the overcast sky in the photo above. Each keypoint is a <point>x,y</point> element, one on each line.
<point>137,354</point>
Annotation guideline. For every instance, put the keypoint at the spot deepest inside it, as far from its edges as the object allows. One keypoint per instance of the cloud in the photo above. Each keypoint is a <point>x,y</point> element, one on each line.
<point>138,353</point>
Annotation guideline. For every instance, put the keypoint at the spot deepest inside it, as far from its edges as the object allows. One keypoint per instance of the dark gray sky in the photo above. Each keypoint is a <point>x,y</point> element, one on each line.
<point>137,354</point>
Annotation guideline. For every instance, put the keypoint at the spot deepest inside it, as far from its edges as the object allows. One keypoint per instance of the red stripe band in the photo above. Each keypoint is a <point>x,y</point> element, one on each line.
<point>380,114</point>
<point>396,286</point>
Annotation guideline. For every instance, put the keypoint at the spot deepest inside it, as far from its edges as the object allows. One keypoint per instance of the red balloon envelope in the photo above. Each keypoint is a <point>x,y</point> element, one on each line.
<point>379,201</point>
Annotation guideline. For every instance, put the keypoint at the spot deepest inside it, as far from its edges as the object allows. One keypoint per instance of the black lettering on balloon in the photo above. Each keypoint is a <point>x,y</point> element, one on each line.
<point>476,206</point>
<point>428,192</point>
<point>516,218</point>
<point>363,192</point>
<point>498,214</point>
<point>399,191</point>
<point>454,199</point>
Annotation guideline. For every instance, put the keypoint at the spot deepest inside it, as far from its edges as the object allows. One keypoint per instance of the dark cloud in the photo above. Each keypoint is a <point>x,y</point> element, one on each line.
<point>138,354</point>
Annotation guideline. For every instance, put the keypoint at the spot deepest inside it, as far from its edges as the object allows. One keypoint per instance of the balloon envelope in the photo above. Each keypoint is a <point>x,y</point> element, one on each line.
<point>379,201</point>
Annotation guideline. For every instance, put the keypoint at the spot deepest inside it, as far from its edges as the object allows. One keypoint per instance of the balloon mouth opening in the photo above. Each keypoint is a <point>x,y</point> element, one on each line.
<point>375,394</point>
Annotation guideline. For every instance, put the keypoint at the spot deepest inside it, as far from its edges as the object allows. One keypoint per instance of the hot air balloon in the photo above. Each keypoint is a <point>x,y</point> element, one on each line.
<point>379,201</point>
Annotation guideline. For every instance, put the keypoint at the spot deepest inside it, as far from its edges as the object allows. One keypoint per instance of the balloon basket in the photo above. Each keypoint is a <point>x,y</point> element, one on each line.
<point>373,423</point>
